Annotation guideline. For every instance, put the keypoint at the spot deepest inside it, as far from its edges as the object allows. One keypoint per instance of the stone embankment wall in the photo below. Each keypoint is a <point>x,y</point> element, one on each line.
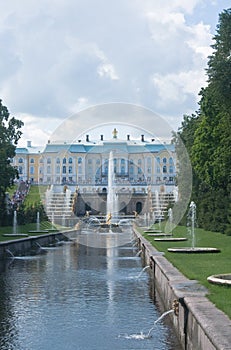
<point>198,323</point>
<point>27,245</point>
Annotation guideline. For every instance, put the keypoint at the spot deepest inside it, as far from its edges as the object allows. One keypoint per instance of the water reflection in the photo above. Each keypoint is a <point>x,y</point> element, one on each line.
<point>79,297</point>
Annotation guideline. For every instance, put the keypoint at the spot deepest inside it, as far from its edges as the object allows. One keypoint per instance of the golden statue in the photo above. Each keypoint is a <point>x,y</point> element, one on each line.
<point>114,133</point>
<point>109,216</point>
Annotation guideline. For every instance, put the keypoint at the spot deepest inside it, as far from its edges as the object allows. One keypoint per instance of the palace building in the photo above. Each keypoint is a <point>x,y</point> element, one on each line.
<point>144,171</point>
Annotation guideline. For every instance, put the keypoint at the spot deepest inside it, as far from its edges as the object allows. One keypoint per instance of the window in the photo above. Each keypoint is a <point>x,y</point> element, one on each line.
<point>158,169</point>
<point>64,169</point>
<point>122,161</point>
<point>149,160</point>
<point>48,161</point>
<point>48,169</point>
<point>158,160</point>
<point>170,160</point>
<point>171,169</point>
<point>164,169</point>
<point>20,160</point>
<point>70,160</point>
<point>164,160</point>
<point>131,170</point>
<point>58,169</point>
<point>58,161</point>
<point>64,161</point>
<point>123,170</point>
<point>20,170</point>
<point>70,169</point>
<point>31,170</point>
<point>32,160</point>
<point>80,160</point>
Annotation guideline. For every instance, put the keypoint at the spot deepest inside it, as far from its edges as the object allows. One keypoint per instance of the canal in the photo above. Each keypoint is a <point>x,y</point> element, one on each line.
<point>77,297</point>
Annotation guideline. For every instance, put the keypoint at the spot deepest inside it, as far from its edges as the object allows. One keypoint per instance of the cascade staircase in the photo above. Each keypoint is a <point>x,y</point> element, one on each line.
<point>160,203</point>
<point>59,208</point>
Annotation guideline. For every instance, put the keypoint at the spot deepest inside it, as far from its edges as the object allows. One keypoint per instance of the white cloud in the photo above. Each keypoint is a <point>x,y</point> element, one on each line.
<point>36,129</point>
<point>200,40</point>
<point>59,56</point>
<point>176,87</point>
<point>107,70</point>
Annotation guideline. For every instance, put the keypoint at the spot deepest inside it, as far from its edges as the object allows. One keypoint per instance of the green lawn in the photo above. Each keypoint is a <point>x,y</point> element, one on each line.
<point>46,225</point>
<point>35,195</point>
<point>200,266</point>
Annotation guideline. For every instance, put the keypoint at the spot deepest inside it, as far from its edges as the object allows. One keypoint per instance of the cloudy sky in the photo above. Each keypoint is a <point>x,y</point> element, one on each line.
<point>59,57</point>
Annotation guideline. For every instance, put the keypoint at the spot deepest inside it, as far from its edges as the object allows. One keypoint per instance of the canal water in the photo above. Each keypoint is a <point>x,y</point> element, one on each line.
<point>76,297</point>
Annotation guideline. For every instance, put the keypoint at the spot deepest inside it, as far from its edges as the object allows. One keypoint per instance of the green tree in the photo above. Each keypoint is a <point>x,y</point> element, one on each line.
<point>10,134</point>
<point>210,150</point>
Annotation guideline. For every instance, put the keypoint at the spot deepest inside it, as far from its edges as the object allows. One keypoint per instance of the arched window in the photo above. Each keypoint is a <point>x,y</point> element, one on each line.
<point>80,160</point>
<point>58,161</point>
<point>123,170</point>
<point>32,160</point>
<point>131,170</point>
<point>158,160</point>
<point>171,169</point>
<point>64,161</point>
<point>70,169</point>
<point>164,169</point>
<point>122,161</point>
<point>31,170</point>
<point>170,160</point>
<point>20,170</point>
<point>70,160</point>
<point>20,160</point>
<point>139,207</point>
<point>64,169</point>
<point>48,161</point>
<point>164,160</point>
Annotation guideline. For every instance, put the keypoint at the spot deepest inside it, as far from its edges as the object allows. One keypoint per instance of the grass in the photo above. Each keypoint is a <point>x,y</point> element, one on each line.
<point>200,266</point>
<point>33,196</point>
<point>45,225</point>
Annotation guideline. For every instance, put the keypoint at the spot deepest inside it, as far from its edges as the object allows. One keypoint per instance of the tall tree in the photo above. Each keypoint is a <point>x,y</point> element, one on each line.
<point>208,138</point>
<point>10,134</point>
